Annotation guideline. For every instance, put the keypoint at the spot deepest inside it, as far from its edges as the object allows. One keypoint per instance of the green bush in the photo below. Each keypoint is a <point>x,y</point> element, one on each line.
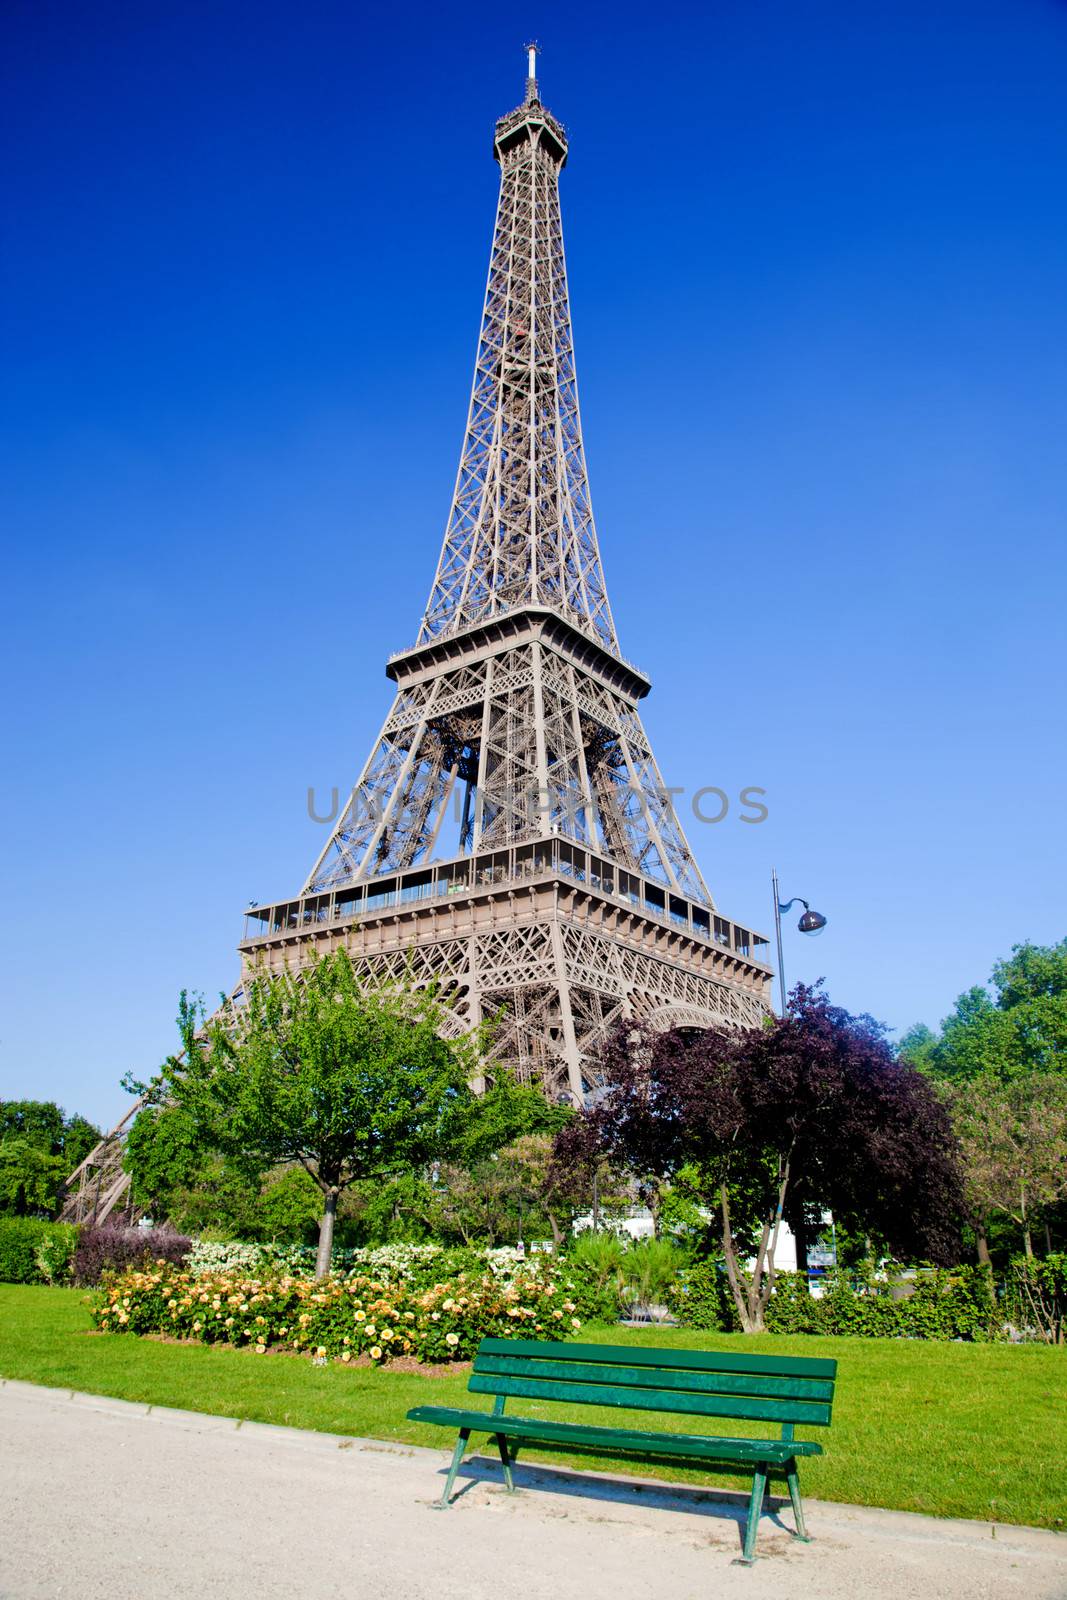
<point>1035,1296</point>
<point>700,1297</point>
<point>960,1304</point>
<point>36,1252</point>
<point>649,1268</point>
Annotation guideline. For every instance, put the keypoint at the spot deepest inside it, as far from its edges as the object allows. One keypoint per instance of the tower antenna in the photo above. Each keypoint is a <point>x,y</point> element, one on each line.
<point>533,50</point>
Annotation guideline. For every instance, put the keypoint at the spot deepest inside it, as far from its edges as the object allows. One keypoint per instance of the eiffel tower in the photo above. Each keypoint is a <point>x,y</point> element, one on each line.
<point>510,837</point>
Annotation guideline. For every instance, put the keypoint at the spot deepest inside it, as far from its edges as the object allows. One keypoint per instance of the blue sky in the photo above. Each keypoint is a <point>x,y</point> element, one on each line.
<point>818,256</point>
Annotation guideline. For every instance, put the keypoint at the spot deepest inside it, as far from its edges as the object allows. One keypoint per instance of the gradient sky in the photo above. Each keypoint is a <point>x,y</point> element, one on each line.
<point>818,263</point>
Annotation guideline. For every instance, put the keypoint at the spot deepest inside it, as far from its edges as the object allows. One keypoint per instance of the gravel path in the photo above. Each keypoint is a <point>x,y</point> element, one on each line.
<point>104,1498</point>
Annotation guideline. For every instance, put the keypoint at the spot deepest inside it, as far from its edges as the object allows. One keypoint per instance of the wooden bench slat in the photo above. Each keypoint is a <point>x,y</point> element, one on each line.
<point>649,1356</point>
<point>599,1394</point>
<point>697,1382</point>
<point>696,1445</point>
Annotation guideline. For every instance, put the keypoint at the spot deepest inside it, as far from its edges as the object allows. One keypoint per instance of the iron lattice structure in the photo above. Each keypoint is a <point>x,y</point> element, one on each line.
<point>510,837</point>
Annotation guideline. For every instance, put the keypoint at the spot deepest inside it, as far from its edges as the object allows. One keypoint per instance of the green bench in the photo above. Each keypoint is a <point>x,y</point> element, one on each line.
<point>790,1390</point>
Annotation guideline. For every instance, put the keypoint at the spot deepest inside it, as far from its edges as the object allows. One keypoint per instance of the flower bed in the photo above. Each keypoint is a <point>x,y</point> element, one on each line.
<point>340,1318</point>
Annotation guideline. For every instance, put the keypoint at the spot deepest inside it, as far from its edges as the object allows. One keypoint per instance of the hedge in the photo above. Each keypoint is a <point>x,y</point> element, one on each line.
<point>34,1251</point>
<point>957,1304</point>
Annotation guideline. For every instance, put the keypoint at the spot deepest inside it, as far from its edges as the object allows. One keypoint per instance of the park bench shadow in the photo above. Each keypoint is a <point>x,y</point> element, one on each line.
<point>728,1505</point>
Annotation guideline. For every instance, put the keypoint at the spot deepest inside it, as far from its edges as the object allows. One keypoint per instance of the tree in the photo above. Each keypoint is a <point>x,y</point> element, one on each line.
<point>350,1083</point>
<point>1016,1027</point>
<point>1020,1027</point>
<point>813,1102</point>
<point>165,1154</point>
<point>1013,1135</point>
<point>40,1146</point>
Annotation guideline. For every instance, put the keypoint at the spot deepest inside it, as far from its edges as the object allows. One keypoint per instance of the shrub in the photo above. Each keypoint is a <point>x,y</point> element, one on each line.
<point>958,1304</point>
<point>700,1297</point>
<point>1035,1297</point>
<point>117,1249</point>
<point>35,1251</point>
<point>340,1317</point>
<point>595,1262</point>
<point>649,1268</point>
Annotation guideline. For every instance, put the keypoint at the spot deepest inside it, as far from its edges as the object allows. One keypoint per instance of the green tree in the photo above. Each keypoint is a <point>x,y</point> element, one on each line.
<point>40,1146</point>
<point>352,1084</point>
<point>165,1154</point>
<point>1021,1026</point>
<point>1013,1138</point>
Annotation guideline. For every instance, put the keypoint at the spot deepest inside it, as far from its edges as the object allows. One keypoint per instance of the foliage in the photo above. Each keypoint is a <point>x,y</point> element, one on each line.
<point>500,1196</point>
<point>1020,1027</point>
<point>35,1251</point>
<point>597,1258</point>
<point>39,1147</point>
<point>649,1268</point>
<point>1013,1136</point>
<point>347,1082</point>
<point>700,1296</point>
<point>1036,1296</point>
<point>342,1318</point>
<point>164,1155</point>
<point>934,1304</point>
<point>109,1249</point>
<point>814,1105</point>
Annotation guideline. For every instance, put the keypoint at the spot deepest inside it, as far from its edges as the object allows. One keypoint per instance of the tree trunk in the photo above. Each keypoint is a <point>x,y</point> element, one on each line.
<point>1027,1241</point>
<point>557,1231</point>
<point>982,1243</point>
<point>749,1324</point>
<point>322,1260</point>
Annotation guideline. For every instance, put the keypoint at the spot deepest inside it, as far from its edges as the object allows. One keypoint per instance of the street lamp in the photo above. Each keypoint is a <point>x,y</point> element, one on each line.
<point>811,922</point>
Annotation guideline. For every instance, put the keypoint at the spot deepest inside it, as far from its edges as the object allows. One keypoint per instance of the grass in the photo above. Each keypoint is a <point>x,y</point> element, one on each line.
<point>953,1430</point>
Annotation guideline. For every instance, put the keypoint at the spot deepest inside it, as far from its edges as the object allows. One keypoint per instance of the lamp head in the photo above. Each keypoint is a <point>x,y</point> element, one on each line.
<point>811,921</point>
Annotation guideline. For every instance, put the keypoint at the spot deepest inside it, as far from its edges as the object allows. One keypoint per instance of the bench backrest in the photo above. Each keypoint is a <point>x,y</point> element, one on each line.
<point>791,1390</point>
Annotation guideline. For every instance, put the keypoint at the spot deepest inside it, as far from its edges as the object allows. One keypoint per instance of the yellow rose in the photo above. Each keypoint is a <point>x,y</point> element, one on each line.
<point>361,1316</point>
<point>346,1355</point>
<point>261,1349</point>
<point>375,1352</point>
<point>451,1338</point>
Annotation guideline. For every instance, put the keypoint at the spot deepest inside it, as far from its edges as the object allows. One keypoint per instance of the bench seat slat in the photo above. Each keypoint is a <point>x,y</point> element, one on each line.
<point>649,1356</point>
<point>710,1383</point>
<point>753,1407</point>
<point>695,1446</point>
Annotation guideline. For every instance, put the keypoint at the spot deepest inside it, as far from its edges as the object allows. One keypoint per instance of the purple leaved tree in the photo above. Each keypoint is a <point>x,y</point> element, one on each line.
<point>815,1104</point>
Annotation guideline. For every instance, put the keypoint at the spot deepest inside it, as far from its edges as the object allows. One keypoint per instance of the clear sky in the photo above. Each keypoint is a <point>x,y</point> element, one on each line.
<point>818,265</point>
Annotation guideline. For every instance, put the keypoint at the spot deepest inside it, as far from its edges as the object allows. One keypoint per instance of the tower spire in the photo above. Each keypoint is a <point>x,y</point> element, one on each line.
<point>520,529</point>
<point>533,50</point>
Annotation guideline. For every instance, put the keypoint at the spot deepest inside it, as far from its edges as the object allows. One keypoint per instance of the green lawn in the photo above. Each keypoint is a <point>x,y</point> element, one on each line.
<point>949,1429</point>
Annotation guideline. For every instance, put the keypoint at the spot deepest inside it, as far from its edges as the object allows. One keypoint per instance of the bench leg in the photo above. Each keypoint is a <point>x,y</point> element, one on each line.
<point>755,1506</point>
<point>793,1480</point>
<point>457,1457</point>
<point>505,1461</point>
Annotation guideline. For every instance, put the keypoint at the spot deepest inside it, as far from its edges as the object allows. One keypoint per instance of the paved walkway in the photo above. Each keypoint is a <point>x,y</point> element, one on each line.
<point>102,1498</point>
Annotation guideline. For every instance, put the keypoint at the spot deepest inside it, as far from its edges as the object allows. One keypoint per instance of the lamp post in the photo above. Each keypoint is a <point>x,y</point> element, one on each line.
<point>810,922</point>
